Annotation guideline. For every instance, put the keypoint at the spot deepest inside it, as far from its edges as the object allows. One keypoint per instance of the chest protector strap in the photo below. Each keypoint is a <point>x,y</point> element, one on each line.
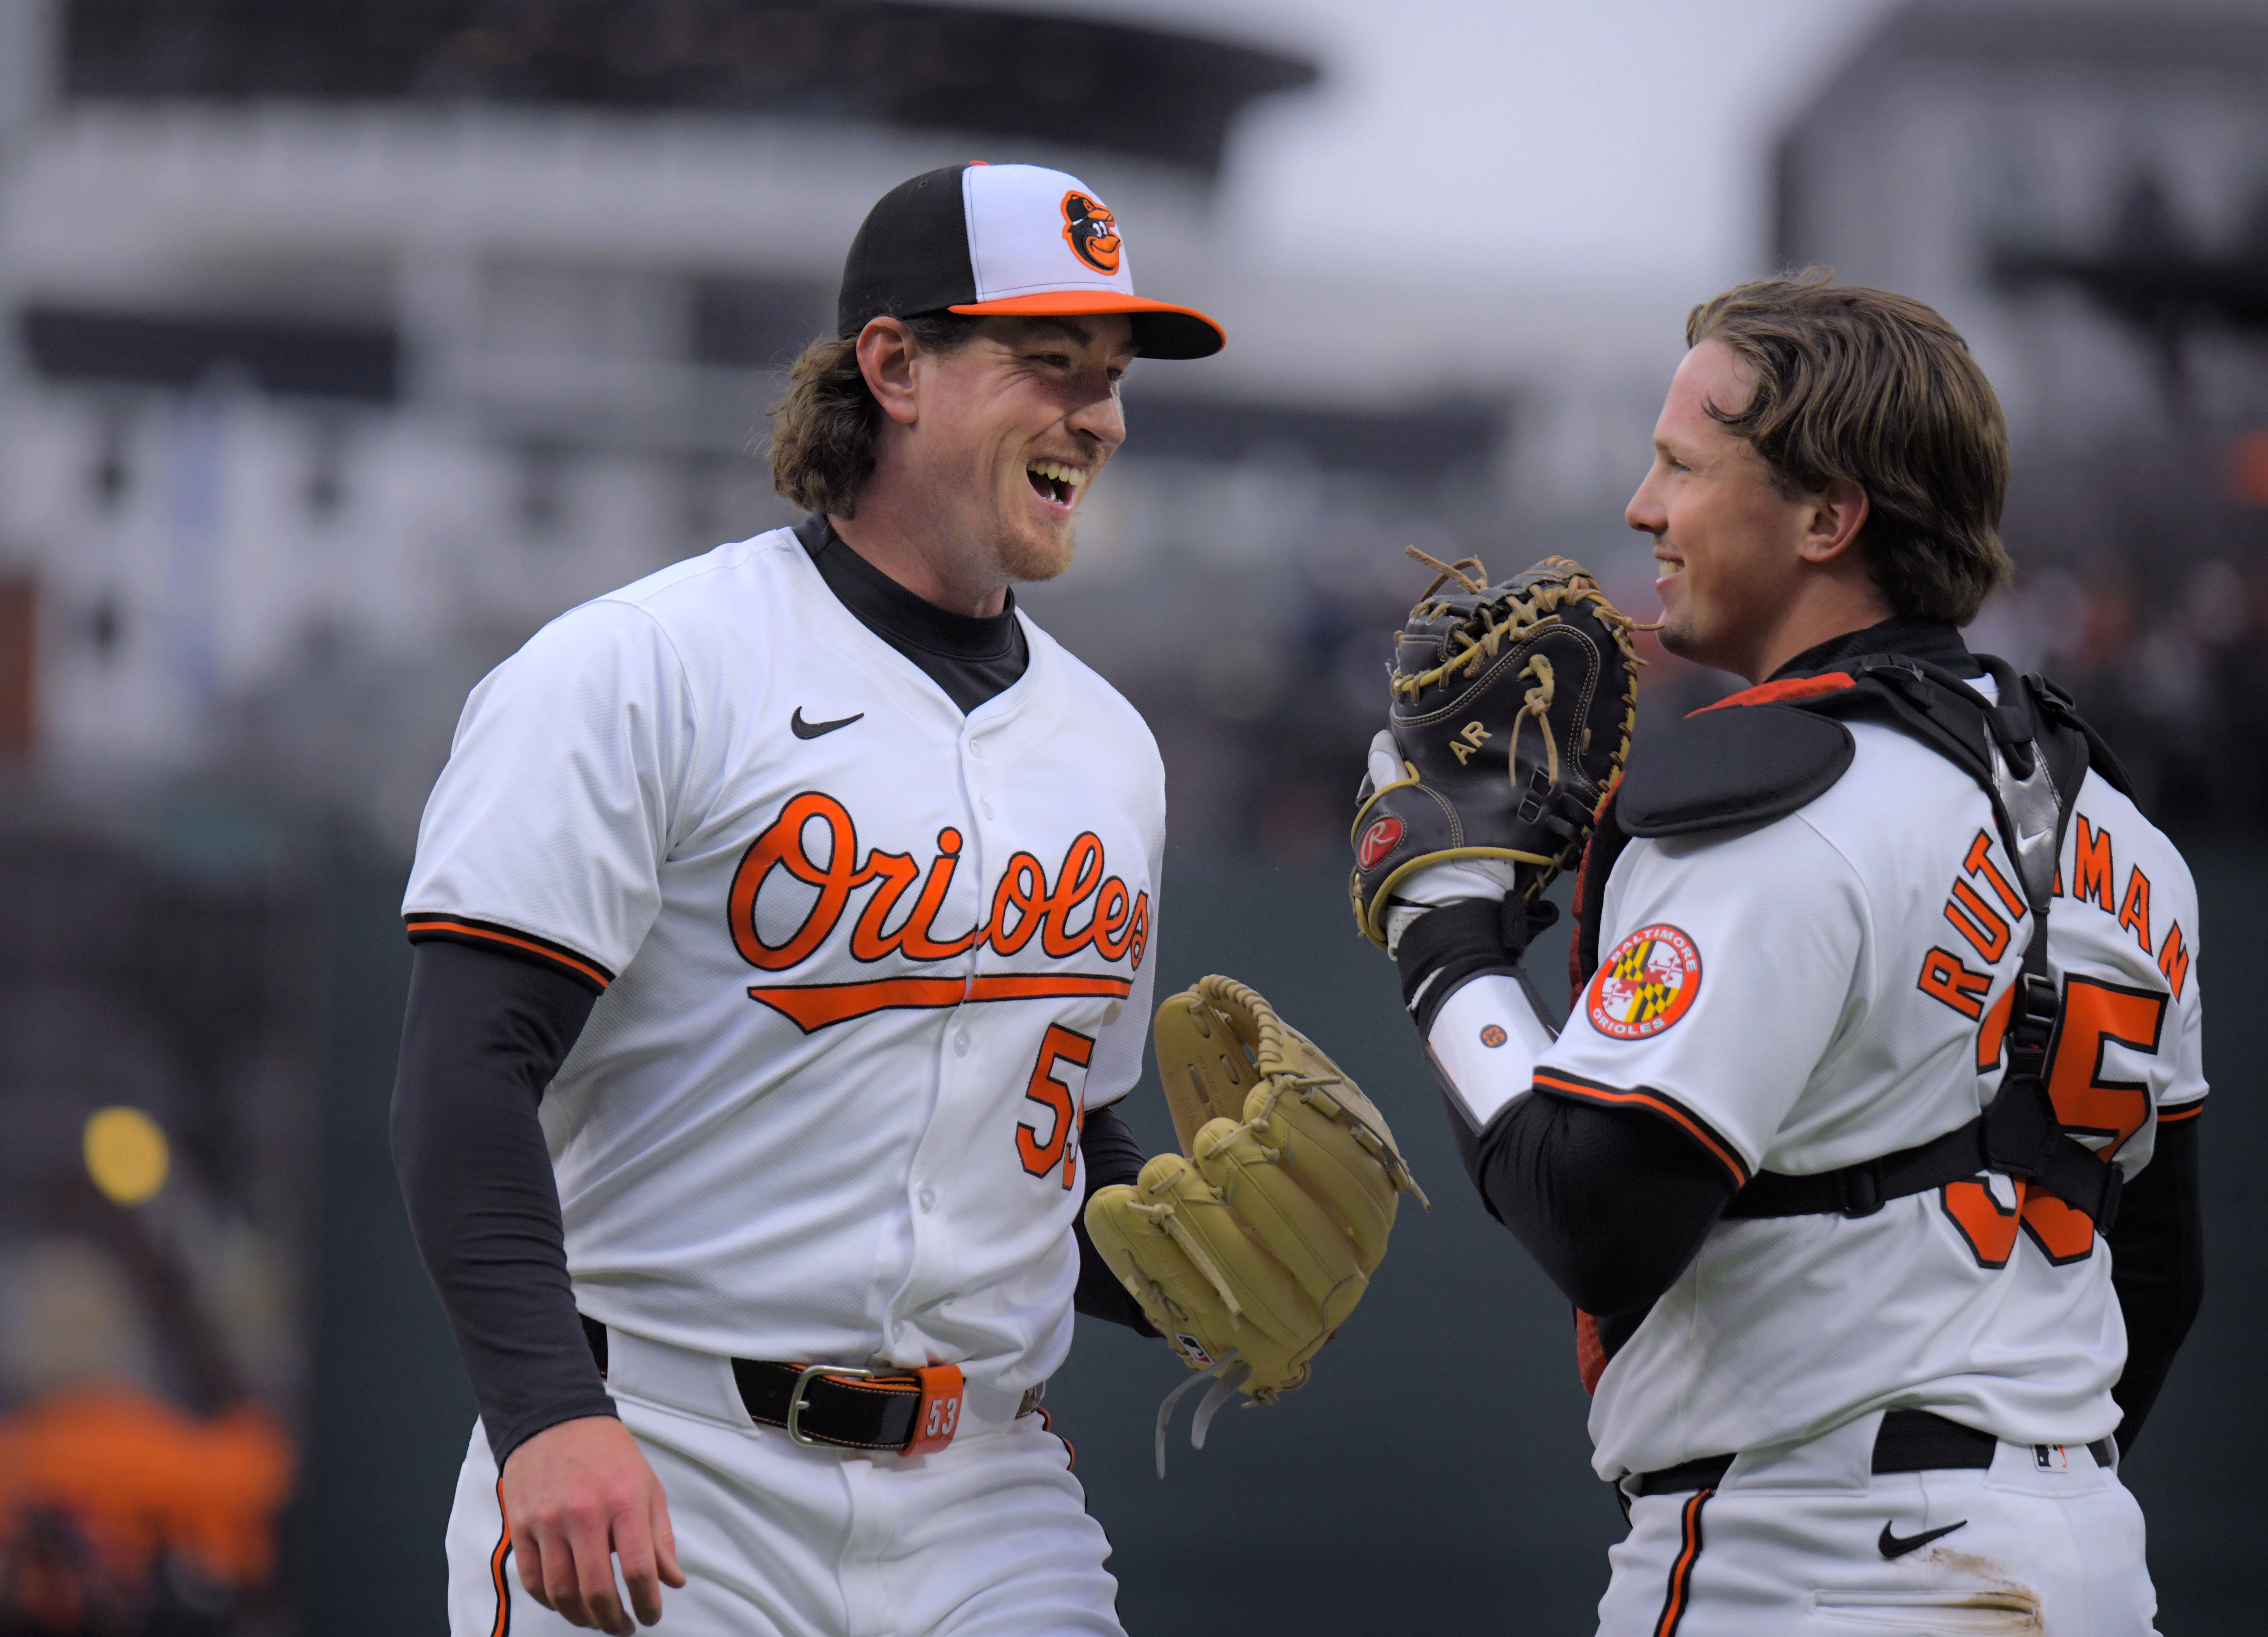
<point>1766,756</point>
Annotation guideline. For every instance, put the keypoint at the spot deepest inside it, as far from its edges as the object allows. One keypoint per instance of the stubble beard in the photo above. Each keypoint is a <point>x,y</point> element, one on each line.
<point>1025,561</point>
<point>1677,636</point>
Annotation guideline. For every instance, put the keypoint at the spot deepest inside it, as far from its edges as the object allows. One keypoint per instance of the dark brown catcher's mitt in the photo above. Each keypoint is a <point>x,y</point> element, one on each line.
<point>1513,706</point>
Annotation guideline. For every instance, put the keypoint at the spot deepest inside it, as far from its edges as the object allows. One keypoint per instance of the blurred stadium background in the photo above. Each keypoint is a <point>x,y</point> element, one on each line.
<point>342,344</point>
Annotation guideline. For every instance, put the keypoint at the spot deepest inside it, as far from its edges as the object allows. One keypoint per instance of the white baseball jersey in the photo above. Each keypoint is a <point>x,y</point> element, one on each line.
<point>1832,987</point>
<point>866,962</point>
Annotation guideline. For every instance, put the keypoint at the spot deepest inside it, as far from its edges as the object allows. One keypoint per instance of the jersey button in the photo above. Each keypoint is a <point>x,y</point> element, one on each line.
<point>961,1044</point>
<point>986,805</point>
<point>928,1197</point>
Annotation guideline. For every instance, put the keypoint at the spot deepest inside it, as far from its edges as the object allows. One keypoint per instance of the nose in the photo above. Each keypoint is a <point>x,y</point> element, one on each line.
<point>1101,418</point>
<point>1645,512</point>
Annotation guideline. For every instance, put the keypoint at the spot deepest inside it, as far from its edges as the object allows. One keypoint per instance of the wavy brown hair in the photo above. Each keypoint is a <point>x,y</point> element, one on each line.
<point>823,430</point>
<point>1878,388</point>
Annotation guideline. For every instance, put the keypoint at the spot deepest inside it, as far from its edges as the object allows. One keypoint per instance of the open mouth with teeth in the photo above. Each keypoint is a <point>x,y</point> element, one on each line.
<point>1055,482</point>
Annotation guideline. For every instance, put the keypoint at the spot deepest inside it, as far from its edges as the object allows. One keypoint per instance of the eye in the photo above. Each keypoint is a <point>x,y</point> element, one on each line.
<point>1055,360</point>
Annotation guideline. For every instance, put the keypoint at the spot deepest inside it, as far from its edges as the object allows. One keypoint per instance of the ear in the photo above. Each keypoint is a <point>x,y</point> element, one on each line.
<point>885,358</point>
<point>1838,512</point>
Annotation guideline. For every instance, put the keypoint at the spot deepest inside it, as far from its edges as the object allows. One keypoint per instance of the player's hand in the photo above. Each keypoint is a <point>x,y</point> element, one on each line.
<point>578,1495</point>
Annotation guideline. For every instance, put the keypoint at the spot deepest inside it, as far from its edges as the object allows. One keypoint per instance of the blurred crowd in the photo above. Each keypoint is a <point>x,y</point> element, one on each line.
<point>2168,660</point>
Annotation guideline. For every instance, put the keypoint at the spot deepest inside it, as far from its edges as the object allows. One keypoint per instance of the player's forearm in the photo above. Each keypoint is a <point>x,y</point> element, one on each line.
<point>1481,1023</point>
<point>1612,1203</point>
<point>483,1035</point>
<point>1111,1154</point>
<point>2157,1260</point>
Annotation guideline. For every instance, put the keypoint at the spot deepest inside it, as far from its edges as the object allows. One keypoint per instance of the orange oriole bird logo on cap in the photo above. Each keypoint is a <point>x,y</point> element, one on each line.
<point>1091,232</point>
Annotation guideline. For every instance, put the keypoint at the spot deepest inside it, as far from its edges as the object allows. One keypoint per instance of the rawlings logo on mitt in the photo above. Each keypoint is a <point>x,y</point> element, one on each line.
<point>1512,708</point>
<point>1248,1252</point>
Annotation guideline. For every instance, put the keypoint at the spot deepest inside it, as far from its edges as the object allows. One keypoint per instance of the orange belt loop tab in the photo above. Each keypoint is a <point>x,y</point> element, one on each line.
<point>938,1416</point>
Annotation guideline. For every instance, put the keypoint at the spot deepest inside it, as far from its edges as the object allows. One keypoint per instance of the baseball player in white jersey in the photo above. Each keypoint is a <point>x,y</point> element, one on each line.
<point>1842,1163</point>
<point>784,926</point>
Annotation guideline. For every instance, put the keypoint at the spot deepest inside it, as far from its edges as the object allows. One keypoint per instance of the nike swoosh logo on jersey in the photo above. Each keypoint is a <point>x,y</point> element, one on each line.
<point>1897,1546</point>
<point>803,730</point>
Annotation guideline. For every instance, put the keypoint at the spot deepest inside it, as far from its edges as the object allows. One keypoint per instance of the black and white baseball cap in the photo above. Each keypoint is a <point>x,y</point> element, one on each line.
<point>1007,239</point>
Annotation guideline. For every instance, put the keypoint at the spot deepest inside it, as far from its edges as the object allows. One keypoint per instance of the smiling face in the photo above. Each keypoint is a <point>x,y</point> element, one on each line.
<point>1732,550</point>
<point>1011,429</point>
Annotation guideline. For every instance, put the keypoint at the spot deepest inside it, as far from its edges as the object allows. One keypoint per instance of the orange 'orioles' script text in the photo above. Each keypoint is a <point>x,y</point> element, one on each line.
<point>1028,905</point>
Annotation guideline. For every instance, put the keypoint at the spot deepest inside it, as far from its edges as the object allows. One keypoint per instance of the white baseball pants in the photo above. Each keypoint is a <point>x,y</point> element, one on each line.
<point>1811,1544</point>
<point>987,1537</point>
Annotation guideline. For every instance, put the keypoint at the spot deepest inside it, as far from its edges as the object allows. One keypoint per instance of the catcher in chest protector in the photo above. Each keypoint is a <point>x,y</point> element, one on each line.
<point>1868,1152</point>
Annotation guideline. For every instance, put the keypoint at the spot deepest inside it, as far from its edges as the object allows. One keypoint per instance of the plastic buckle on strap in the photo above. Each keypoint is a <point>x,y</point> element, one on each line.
<point>938,1415</point>
<point>1861,1187</point>
<point>797,1404</point>
<point>2036,1005</point>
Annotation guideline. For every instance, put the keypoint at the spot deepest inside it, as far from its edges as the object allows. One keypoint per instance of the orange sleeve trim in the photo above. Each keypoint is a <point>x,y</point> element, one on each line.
<point>2184,1110</point>
<point>1654,1102</point>
<point>481,932</point>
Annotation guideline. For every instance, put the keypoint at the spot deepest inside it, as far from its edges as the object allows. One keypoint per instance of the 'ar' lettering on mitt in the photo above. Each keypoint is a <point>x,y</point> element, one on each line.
<point>1511,713</point>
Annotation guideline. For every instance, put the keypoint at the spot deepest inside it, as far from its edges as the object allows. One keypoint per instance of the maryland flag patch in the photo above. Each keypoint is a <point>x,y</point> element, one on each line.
<point>1646,985</point>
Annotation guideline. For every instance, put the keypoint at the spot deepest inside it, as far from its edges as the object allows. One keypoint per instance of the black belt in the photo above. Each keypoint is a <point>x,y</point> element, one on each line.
<point>910,1412</point>
<point>1910,1441</point>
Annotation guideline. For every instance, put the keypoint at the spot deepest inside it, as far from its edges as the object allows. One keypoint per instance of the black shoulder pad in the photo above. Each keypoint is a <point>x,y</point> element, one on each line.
<point>1731,765</point>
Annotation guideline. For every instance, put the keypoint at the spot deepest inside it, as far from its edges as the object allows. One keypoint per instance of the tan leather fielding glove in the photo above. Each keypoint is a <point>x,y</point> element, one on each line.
<point>1248,1250</point>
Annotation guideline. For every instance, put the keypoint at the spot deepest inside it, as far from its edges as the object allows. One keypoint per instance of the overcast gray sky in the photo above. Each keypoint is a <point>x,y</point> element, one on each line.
<point>1555,140</point>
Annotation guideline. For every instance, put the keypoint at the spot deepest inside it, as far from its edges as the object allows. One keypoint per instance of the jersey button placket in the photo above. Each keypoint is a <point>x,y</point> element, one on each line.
<point>954,1101</point>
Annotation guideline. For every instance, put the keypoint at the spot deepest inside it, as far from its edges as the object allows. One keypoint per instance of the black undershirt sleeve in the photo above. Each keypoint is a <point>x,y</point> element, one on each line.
<point>1112,1155</point>
<point>2157,1266</point>
<point>485,1034</point>
<point>1612,1203</point>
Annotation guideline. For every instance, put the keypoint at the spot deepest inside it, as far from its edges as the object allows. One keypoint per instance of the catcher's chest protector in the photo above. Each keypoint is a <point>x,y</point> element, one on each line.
<point>1762,754</point>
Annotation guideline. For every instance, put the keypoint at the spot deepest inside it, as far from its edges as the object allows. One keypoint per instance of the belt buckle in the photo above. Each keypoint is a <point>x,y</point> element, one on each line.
<point>797,1404</point>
